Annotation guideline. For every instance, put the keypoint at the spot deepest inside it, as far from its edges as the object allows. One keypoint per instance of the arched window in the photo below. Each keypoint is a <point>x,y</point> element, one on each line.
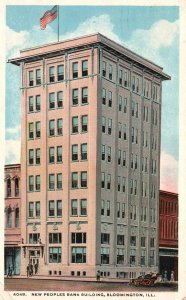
<point>8,187</point>
<point>17,217</point>
<point>16,187</point>
<point>9,218</point>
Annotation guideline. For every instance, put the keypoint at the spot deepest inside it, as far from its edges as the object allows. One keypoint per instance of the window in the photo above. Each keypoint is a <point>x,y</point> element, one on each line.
<point>31,157</point>
<point>54,238</point>
<point>120,77</point>
<point>78,254</point>
<point>133,240</point>
<point>84,179</point>
<point>74,152</point>
<point>51,208</point>
<point>152,256</point>
<point>54,254</point>
<point>120,103</point>
<point>38,77</point>
<point>133,105</point>
<point>51,155</point>
<point>37,156</point>
<point>119,183</point>
<point>31,103</point>
<point>102,180</point>
<point>119,130</point>
<point>16,187</point>
<point>74,124</point>
<point>84,99</point>
<point>109,126</point>
<point>118,210</point>
<point>31,78</point>
<point>120,240</point>
<point>59,153</point>
<point>51,128</point>
<point>31,209</point>
<point>103,124</point>
<point>59,99</point>
<point>104,69</point>
<point>31,183</point>
<point>31,130</point>
<point>124,158</point>
<point>74,211</point>
<point>123,211</point>
<point>59,126</point>
<point>75,70</point>
<point>38,103</point>
<point>37,182</point>
<point>109,154</point>
<point>59,181</point>
<point>137,85</point>
<point>120,256</point>
<point>37,207</point>
<point>105,238</point>
<point>74,180</point>
<point>108,208</point>
<point>51,100</point>
<point>105,255</point>
<point>132,257</point>
<point>102,207</point>
<point>59,208</point>
<point>110,72</point>
<point>51,74</point>
<point>152,243</point>
<point>110,99</point>
<point>60,72</point>
<point>135,187</point>
<point>83,207</point>
<point>143,255</point>
<point>133,83</point>
<point>108,182</point>
<point>84,123</point>
<point>38,129</point>
<point>51,182</point>
<point>125,79</point>
<point>103,152</point>
<point>83,151</point>
<point>75,97</point>
<point>132,136</point>
<point>78,237</point>
<point>9,218</point>
<point>17,217</point>
<point>104,96</point>
<point>124,132</point>
<point>143,241</point>
<point>84,68</point>
<point>34,238</point>
<point>125,105</point>
<point>136,110</point>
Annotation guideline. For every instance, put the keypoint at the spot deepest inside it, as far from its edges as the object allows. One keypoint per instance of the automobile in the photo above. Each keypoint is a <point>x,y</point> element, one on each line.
<point>144,280</point>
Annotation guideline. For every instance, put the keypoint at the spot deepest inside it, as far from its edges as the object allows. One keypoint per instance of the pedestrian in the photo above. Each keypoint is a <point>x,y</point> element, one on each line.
<point>28,270</point>
<point>165,276</point>
<point>31,269</point>
<point>98,275</point>
<point>36,268</point>
<point>9,271</point>
<point>172,276</point>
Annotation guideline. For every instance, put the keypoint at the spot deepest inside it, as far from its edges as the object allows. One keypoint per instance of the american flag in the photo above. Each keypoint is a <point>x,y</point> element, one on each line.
<point>48,17</point>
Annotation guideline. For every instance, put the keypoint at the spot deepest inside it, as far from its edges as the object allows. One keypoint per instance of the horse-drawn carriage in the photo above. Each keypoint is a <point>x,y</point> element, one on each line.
<point>146,280</point>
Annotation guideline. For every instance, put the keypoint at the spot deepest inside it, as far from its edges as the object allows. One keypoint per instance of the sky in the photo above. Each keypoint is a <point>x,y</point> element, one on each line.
<point>155,37</point>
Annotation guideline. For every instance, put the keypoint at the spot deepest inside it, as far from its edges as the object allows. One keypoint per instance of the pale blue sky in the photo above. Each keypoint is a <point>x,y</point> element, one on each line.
<point>150,31</point>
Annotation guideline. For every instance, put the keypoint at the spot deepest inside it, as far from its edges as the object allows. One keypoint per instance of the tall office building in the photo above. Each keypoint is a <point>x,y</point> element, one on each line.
<point>91,116</point>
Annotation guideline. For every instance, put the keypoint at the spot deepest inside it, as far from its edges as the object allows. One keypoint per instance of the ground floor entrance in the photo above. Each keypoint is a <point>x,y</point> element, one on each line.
<point>169,262</point>
<point>12,260</point>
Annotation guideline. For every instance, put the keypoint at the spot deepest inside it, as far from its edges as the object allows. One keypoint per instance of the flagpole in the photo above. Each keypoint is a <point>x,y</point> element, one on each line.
<point>58,22</point>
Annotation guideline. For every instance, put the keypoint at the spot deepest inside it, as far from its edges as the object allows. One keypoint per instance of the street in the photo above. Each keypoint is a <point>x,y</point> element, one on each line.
<point>29,284</point>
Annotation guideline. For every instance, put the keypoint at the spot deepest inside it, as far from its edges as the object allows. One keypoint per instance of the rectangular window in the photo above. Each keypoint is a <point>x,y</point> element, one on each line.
<point>16,217</point>
<point>105,255</point>
<point>83,207</point>
<point>132,111</point>
<point>84,99</point>
<point>51,155</point>
<point>109,154</point>
<point>104,96</point>
<point>54,254</point>
<point>31,183</point>
<point>59,99</point>
<point>78,237</point>
<point>51,207</point>
<point>34,238</point>
<point>84,179</point>
<point>103,152</point>
<point>143,255</point>
<point>131,186</point>
<point>102,207</point>
<point>124,132</point>
<point>123,211</point>
<point>38,103</point>
<point>124,159</point>
<point>102,180</point>
<point>108,208</point>
<point>110,72</point>
<point>31,209</point>
<point>31,157</point>
<point>74,180</point>
<point>75,97</point>
<point>31,78</point>
<point>59,153</point>
<point>103,124</point>
<point>59,181</point>
<point>133,83</point>
<point>119,183</point>
<point>37,156</point>
<point>60,72</point>
<point>119,130</point>
<point>51,181</point>
<point>74,152</point>
<point>124,185</point>
<point>137,85</point>
<point>51,74</point>
<point>105,238</point>
<point>143,241</point>
<point>84,123</point>
<point>31,103</point>
<point>109,126</point>
<point>125,79</point>
<point>132,135</point>
<point>75,70</point>
<point>51,100</point>
<point>84,68</point>
<point>54,238</point>
<point>51,127</point>
<point>37,207</point>
<point>133,240</point>
<point>120,77</point>
<point>37,182</point>
<point>132,257</point>
<point>83,151</point>
<point>108,182</point>
<point>118,209</point>
<point>74,211</point>
<point>120,103</point>
<point>59,208</point>
<point>38,129</point>
<point>120,256</point>
<point>31,130</point>
<point>152,256</point>
<point>38,77</point>
<point>152,243</point>
<point>136,110</point>
<point>120,240</point>
<point>110,99</point>
<point>74,124</point>
<point>78,254</point>
<point>104,69</point>
<point>59,126</point>
<point>125,105</point>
